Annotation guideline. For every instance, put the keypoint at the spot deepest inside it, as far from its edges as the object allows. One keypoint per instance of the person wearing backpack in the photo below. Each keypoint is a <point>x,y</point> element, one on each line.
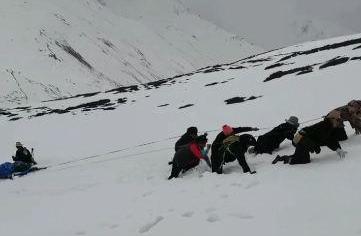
<point>216,155</point>
<point>189,156</point>
<point>310,140</point>
<point>234,148</point>
<point>23,159</point>
<point>270,141</point>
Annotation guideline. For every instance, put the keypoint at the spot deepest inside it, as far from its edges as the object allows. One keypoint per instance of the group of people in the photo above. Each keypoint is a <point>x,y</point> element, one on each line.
<point>190,149</point>
<point>23,161</point>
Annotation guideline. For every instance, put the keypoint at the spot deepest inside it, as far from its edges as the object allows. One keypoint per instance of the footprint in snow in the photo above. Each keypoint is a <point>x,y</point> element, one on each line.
<point>242,216</point>
<point>236,185</point>
<point>211,209</point>
<point>251,184</point>
<point>114,226</point>
<point>224,196</point>
<point>146,194</point>
<point>213,218</point>
<point>80,233</point>
<point>150,225</point>
<point>188,214</point>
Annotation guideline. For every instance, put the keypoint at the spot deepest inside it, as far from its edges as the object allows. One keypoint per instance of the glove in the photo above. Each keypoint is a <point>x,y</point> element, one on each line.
<point>341,153</point>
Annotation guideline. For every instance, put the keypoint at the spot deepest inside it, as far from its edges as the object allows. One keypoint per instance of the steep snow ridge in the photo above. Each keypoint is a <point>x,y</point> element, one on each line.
<point>107,169</point>
<point>279,23</point>
<point>53,49</point>
<point>295,61</point>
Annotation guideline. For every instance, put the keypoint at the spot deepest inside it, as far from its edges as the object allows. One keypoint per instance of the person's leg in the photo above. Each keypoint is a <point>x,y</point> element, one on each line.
<point>243,163</point>
<point>216,162</point>
<point>301,156</point>
<point>175,171</point>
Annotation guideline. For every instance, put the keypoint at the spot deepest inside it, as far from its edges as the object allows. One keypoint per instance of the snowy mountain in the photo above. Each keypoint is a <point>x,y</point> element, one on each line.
<point>51,49</point>
<point>107,153</point>
<point>278,23</point>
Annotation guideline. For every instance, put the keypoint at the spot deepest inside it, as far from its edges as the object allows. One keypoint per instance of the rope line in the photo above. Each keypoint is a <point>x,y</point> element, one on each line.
<point>150,143</point>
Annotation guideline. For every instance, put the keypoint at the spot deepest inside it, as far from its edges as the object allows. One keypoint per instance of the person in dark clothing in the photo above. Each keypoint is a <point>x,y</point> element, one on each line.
<point>234,147</point>
<point>187,138</point>
<point>216,155</point>
<point>189,156</point>
<point>23,155</point>
<point>310,140</point>
<point>270,141</point>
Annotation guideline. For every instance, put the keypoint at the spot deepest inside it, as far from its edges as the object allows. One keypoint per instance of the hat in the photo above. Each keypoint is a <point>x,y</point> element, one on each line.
<point>18,144</point>
<point>192,130</point>
<point>293,120</point>
<point>201,139</point>
<point>227,130</point>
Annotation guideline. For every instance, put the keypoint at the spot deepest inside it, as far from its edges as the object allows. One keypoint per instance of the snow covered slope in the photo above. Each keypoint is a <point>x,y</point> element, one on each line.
<point>279,23</point>
<point>108,153</point>
<point>51,49</point>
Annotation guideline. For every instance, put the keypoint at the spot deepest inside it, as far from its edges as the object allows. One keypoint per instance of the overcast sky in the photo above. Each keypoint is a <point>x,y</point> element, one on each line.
<point>277,23</point>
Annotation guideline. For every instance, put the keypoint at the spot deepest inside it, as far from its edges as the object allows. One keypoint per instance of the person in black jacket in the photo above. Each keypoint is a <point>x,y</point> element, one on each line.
<point>189,156</point>
<point>187,138</point>
<point>270,141</point>
<point>23,155</point>
<point>310,140</point>
<point>234,148</point>
<point>216,154</point>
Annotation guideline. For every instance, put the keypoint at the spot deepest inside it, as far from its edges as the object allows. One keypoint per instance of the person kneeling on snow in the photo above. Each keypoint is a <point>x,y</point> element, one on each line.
<point>189,156</point>
<point>216,155</point>
<point>270,141</point>
<point>234,147</point>
<point>23,159</point>
<point>310,139</point>
<point>186,138</point>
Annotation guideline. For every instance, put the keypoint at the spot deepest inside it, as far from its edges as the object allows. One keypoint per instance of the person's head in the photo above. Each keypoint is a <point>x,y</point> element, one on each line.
<point>18,145</point>
<point>227,130</point>
<point>201,140</point>
<point>353,106</point>
<point>192,131</point>
<point>334,117</point>
<point>293,120</point>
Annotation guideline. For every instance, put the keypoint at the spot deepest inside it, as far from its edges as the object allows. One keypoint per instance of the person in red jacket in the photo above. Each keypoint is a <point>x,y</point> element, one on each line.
<point>189,156</point>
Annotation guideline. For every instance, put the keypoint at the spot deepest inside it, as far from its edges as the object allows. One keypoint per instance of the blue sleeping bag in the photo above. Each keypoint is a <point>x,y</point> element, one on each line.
<point>6,170</point>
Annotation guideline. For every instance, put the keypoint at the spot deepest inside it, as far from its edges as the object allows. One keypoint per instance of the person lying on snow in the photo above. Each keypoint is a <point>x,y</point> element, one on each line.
<point>234,147</point>
<point>351,113</point>
<point>187,138</point>
<point>216,155</point>
<point>270,141</point>
<point>189,156</point>
<point>310,140</point>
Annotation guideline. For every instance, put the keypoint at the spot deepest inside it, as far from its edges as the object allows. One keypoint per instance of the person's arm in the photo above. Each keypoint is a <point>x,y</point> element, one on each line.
<point>243,129</point>
<point>196,151</point>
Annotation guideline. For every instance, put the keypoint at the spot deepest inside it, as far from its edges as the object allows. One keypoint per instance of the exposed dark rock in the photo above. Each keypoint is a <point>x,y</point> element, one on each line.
<point>211,84</point>
<point>240,99</point>
<point>357,47</point>
<point>274,66</point>
<point>323,48</point>
<point>185,106</point>
<point>235,100</point>
<point>122,100</point>
<point>280,74</point>
<point>68,49</point>
<point>237,67</point>
<point>90,105</point>
<point>335,61</point>
<point>355,58</point>
<point>163,105</point>
<point>124,89</point>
